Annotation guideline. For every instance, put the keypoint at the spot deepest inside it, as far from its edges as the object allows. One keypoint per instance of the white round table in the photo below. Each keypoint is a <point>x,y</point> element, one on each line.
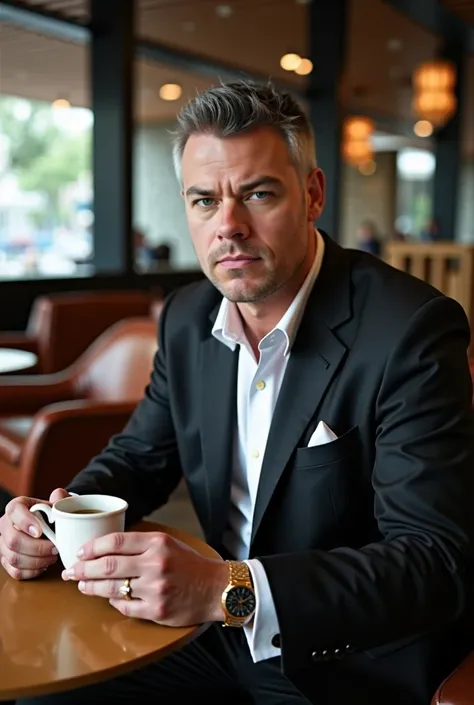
<point>12,360</point>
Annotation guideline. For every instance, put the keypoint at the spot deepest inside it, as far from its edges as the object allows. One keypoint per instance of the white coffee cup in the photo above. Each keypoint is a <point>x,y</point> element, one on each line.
<point>102,515</point>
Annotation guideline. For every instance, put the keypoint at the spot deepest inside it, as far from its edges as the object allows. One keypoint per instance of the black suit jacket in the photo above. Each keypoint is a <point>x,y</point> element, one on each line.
<point>367,540</point>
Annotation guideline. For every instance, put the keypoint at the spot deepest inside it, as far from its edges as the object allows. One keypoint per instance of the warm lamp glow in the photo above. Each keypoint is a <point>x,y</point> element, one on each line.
<point>357,152</point>
<point>61,104</point>
<point>435,76</point>
<point>423,128</point>
<point>170,91</point>
<point>358,128</point>
<point>434,98</point>
<point>357,148</point>
<point>305,67</point>
<point>437,108</point>
<point>290,62</point>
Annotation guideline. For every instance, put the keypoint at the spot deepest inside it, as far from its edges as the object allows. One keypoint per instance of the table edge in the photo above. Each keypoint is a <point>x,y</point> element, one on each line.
<point>78,682</point>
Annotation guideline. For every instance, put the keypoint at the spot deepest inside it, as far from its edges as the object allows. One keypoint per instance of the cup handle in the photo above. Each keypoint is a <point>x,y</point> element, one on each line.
<point>35,509</point>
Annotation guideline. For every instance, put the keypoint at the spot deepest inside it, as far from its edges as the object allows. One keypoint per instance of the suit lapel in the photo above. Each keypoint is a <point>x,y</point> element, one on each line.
<point>316,355</point>
<point>313,362</point>
<point>218,370</point>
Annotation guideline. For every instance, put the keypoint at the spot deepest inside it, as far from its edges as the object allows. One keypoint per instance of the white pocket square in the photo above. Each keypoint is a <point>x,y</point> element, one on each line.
<point>321,435</point>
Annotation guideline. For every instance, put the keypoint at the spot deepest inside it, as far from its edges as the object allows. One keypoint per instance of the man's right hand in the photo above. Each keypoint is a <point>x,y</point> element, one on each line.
<point>21,554</point>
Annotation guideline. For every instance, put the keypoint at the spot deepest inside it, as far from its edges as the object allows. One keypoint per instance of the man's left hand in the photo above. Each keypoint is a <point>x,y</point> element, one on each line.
<point>170,583</point>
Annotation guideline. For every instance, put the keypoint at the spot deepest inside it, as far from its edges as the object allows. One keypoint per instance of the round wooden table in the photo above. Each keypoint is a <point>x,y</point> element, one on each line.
<point>12,360</point>
<point>54,638</point>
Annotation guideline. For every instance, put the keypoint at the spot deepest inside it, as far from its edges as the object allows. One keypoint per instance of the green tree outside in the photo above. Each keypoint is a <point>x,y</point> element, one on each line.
<point>44,157</point>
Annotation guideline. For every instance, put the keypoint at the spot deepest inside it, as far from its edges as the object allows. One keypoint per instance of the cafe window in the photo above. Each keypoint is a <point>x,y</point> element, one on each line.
<point>415,174</point>
<point>46,211</point>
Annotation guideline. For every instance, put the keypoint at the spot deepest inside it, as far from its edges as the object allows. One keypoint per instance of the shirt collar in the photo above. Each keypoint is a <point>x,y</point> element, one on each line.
<point>228,327</point>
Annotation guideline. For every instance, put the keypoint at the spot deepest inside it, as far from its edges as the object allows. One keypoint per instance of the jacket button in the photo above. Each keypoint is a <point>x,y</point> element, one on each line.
<point>338,653</point>
<point>316,656</point>
<point>276,641</point>
<point>325,656</point>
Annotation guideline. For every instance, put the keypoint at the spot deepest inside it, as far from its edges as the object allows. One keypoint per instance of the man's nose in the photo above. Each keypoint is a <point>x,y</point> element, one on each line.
<point>232,224</point>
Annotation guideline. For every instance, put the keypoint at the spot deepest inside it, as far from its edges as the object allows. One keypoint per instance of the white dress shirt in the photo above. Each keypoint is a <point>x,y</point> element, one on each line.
<point>258,386</point>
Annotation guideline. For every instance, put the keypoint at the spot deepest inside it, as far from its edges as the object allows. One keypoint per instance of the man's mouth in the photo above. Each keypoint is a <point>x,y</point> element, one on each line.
<point>237,262</point>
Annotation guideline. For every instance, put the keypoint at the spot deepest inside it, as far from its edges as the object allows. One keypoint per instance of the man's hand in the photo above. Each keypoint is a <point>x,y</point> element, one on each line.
<point>171,583</point>
<point>22,556</point>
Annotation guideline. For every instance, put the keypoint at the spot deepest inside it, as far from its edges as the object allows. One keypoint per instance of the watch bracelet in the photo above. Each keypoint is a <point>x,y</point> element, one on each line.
<point>239,572</point>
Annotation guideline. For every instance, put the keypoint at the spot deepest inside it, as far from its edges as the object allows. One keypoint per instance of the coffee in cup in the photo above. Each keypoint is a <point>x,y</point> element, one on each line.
<point>79,519</point>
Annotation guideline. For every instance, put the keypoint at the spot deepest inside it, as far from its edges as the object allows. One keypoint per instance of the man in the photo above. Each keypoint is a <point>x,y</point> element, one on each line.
<point>368,238</point>
<point>318,404</point>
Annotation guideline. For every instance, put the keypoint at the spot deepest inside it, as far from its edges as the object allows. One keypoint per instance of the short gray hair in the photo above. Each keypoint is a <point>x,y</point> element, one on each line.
<point>241,106</point>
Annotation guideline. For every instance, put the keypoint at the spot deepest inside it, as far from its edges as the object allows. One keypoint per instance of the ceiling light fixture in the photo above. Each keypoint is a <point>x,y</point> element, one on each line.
<point>423,128</point>
<point>61,104</point>
<point>357,146</point>
<point>170,91</point>
<point>435,99</point>
<point>290,62</point>
<point>224,11</point>
<point>394,44</point>
<point>304,67</point>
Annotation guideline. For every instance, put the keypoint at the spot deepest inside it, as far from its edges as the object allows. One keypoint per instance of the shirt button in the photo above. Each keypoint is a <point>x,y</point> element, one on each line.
<point>260,385</point>
<point>255,453</point>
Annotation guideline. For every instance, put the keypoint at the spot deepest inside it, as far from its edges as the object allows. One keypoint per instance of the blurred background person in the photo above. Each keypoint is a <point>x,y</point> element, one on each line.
<point>368,238</point>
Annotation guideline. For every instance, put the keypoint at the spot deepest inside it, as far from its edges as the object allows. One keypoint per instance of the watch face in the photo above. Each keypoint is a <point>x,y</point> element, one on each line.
<point>240,601</point>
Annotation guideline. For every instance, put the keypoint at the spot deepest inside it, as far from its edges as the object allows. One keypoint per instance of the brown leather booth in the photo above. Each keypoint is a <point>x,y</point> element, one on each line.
<point>52,425</point>
<point>62,326</point>
<point>458,688</point>
<point>156,308</point>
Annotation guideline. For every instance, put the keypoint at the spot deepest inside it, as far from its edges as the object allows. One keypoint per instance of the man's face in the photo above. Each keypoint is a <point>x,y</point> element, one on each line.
<point>250,213</point>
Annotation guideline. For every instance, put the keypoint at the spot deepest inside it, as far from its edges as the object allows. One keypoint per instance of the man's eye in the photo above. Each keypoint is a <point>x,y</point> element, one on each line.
<point>204,202</point>
<point>260,195</point>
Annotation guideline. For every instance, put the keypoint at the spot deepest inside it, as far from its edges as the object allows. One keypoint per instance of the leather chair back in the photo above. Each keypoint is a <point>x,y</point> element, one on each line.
<point>156,308</point>
<point>65,324</point>
<point>117,366</point>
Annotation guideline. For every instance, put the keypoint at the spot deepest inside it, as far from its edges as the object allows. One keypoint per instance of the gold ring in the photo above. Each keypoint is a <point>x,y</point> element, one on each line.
<point>125,590</point>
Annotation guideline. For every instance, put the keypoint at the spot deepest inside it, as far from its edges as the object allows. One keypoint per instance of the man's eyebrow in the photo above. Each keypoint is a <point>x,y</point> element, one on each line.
<point>260,181</point>
<point>250,186</point>
<point>198,191</point>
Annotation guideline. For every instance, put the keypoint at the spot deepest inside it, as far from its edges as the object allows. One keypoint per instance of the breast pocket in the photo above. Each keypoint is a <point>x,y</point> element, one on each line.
<point>321,491</point>
<point>346,446</point>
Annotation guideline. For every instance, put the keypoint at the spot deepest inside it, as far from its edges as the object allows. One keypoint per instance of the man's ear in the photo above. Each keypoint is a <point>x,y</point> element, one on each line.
<point>316,190</point>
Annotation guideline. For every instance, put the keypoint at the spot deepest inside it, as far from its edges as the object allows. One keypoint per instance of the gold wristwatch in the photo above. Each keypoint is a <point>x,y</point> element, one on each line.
<point>238,599</point>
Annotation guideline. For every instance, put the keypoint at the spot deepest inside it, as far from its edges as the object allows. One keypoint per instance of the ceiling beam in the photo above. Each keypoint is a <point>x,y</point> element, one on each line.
<point>192,63</point>
<point>44,22</point>
<point>434,16</point>
<point>66,28</point>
